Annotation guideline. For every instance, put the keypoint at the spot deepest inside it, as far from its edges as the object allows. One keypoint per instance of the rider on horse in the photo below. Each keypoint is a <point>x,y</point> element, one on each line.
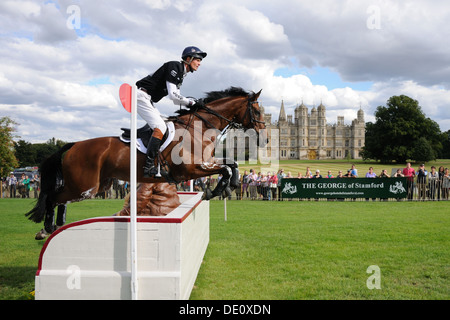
<point>167,80</point>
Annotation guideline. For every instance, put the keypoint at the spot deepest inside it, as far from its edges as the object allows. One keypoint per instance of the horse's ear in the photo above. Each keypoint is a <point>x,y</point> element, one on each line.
<point>256,96</point>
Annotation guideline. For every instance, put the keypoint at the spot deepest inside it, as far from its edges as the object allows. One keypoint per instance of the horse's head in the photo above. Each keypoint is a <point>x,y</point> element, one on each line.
<point>233,108</point>
<point>251,117</point>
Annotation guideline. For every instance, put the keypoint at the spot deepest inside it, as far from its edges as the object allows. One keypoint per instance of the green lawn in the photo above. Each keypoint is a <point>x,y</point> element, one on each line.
<point>19,252</point>
<point>281,250</point>
<point>321,250</point>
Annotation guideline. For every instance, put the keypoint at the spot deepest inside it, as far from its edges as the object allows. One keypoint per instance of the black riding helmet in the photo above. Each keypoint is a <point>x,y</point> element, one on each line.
<point>193,52</point>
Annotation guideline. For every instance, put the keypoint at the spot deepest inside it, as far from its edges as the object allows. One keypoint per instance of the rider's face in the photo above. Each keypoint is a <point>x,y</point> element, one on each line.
<point>195,64</point>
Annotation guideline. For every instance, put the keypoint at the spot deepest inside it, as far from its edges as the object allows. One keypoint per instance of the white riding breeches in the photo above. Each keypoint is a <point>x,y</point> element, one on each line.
<point>148,112</point>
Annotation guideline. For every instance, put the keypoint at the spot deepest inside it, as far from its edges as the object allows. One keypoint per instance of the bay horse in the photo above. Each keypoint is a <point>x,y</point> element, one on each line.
<point>80,170</point>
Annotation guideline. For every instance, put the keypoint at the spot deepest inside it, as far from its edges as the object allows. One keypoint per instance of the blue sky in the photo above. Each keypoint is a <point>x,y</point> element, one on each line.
<point>323,76</point>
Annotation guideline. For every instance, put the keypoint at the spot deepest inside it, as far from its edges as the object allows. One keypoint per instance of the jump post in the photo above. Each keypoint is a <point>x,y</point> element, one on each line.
<point>91,259</point>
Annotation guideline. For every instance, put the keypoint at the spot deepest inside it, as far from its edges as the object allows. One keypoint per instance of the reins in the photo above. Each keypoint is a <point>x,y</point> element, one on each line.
<point>232,123</point>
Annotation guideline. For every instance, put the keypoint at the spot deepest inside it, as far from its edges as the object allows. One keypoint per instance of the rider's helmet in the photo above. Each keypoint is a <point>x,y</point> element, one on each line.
<point>193,52</point>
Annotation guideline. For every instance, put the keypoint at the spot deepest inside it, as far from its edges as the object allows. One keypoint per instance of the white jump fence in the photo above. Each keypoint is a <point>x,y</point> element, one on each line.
<point>90,259</point>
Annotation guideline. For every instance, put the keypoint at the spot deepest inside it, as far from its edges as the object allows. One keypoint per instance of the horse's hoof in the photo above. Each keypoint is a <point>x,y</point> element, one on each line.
<point>41,235</point>
<point>207,194</point>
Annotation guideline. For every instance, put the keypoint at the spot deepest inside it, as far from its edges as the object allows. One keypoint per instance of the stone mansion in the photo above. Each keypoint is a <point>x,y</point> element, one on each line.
<point>309,137</point>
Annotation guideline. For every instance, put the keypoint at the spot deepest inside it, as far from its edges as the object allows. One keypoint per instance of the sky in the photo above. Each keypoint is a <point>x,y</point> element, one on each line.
<point>62,62</point>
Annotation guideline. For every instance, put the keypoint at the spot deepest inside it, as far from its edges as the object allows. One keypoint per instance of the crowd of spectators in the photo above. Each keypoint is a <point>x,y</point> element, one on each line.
<point>24,185</point>
<point>423,184</point>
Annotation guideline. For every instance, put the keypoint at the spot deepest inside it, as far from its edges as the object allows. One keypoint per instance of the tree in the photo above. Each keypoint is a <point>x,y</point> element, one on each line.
<point>8,160</point>
<point>446,145</point>
<point>422,151</point>
<point>31,155</point>
<point>396,132</point>
<point>25,153</point>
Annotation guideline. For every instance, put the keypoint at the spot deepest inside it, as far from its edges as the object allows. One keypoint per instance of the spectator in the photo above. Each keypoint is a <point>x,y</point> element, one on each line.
<point>354,171</point>
<point>433,182</point>
<point>252,183</point>
<point>370,174</point>
<point>308,173</point>
<point>317,175</point>
<point>245,190</point>
<point>384,174</point>
<point>264,186</point>
<point>441,177</point>
<point>35,183</point>
<point>25,182</point>
<point>422,182</point>
<point>398,174</point>
<point>329,175</point>
<point>12,184</point>
<point>280,177</point>
<point>258,185</point>
<point>273,183</point>
<point>410,173</point>
<point>121,185</point>
<point>445,184</point>
<point>349,174</point>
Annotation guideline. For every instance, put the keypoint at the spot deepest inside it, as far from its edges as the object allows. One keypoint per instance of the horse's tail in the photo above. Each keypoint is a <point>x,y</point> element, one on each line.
<point>51,178</point>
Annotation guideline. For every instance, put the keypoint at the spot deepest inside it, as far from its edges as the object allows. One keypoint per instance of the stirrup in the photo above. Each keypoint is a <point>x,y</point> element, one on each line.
<point>153,171</point>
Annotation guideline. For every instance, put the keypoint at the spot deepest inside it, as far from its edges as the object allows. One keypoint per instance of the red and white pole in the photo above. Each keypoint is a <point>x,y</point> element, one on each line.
<point>128,98</point>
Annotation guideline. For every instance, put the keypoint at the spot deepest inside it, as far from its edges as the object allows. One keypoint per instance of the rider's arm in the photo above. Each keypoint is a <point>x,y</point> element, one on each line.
<point>176,97</point>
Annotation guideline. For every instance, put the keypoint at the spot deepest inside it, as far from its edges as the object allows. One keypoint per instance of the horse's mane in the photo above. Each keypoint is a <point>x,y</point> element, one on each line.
<point>230,92</point>
<point>213,96</point>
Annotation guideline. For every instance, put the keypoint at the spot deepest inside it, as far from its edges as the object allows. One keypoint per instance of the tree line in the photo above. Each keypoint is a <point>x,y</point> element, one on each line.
<point>32,154</point>
<point>20,154</point>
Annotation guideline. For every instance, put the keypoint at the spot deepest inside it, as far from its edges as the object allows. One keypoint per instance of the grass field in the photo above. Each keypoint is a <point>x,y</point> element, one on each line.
<point>281,250</point>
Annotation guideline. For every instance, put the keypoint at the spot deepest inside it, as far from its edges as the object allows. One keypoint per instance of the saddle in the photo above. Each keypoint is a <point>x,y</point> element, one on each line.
<point>144,134</point>
<point>143,137</point>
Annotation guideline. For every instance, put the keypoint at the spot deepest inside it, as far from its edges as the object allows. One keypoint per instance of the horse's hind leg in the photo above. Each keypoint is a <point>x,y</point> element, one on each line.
<point>48,224</point>
<point>61,216</point>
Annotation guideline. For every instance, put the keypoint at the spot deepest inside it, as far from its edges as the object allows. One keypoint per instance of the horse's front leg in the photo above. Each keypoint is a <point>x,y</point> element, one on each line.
<point>212,168</point>
<point>223,182</point>
<point>234,166</point>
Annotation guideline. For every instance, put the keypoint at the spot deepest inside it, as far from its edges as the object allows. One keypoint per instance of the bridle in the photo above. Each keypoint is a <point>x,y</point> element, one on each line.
<point>233,123</point>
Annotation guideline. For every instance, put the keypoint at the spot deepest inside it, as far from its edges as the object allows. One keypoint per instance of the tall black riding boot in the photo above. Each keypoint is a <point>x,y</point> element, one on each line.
<point>150,168</point>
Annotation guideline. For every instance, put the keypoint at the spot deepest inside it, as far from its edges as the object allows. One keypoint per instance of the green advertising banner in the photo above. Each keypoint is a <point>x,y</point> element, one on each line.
<point>344,188</point>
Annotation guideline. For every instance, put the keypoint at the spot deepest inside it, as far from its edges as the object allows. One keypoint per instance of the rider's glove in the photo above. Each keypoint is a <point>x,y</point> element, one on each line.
<point>192,102</point>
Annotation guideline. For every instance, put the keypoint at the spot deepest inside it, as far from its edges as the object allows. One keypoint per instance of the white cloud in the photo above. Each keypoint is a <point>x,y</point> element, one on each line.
<point>63,83</point>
